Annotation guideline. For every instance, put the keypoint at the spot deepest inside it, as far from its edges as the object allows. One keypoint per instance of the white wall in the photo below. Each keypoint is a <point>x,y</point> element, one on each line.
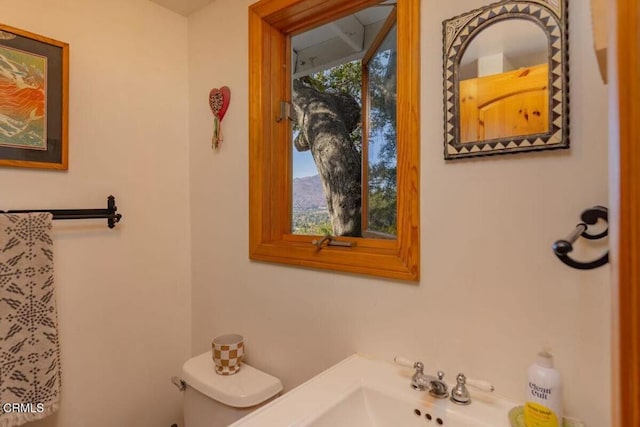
<point>492,293</point>
<point>123,294</point>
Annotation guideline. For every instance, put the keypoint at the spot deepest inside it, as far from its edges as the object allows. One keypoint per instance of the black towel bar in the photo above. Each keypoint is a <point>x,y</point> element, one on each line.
<point>109,213</point>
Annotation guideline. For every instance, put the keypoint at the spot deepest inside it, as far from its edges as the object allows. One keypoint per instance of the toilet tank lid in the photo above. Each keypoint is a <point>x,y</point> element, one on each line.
<point>248,387</point>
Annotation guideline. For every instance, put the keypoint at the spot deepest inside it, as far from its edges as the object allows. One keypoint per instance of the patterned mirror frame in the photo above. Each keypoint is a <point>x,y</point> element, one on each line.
<point>458,32</point>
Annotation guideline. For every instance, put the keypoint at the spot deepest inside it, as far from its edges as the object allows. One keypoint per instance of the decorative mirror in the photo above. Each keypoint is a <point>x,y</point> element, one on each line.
<point>506,80</point>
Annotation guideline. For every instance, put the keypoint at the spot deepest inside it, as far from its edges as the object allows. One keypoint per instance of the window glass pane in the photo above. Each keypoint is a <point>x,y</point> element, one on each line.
<point>382,153</point>
<point>327,140</point>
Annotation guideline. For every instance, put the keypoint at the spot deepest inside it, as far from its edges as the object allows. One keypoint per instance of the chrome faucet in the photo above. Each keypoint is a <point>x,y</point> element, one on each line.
<point>421,381</point>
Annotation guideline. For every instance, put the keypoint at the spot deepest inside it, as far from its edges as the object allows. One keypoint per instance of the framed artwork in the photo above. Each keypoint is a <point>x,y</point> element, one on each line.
<point>34,100</point>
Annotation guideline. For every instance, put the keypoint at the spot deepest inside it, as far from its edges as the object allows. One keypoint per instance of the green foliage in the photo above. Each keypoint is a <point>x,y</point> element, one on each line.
<point>382,201</point>
<point>382,185</point>
<point>344,78</point>
<point>382,92</point>
<point>312,222</point>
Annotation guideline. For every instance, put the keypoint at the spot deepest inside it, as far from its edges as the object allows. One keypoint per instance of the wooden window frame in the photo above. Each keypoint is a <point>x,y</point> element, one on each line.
<point>271,24</point>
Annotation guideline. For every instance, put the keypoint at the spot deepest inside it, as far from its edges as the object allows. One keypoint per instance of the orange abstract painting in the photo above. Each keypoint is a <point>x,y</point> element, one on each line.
<point>23,102</point>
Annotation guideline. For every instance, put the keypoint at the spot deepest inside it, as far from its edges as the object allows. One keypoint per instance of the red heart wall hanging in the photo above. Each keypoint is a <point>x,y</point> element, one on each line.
<point>218,102</point>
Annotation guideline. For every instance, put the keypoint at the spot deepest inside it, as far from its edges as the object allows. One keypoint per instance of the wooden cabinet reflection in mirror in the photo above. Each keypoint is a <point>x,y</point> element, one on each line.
<point>505,105</point>
<point>349,69</point>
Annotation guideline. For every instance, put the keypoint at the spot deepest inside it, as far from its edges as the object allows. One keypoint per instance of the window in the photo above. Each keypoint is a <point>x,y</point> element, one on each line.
<point>272,23</point>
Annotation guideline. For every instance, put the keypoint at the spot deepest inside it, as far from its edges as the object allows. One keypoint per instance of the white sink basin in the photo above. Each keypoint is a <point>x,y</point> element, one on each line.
<point>361,392</point>
<point>367,407</point>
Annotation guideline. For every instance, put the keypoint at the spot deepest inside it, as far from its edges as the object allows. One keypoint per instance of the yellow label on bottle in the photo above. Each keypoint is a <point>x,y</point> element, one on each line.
<point>536,415</point>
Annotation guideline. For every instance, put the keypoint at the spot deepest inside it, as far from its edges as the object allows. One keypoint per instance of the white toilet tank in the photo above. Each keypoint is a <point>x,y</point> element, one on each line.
<point>212,400</point>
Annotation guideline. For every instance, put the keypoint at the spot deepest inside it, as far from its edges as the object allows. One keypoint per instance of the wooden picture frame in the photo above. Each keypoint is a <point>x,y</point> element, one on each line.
<point>34,100</point>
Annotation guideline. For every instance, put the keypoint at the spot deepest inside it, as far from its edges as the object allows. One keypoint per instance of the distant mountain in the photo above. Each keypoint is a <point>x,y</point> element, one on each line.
<point>308,193</point>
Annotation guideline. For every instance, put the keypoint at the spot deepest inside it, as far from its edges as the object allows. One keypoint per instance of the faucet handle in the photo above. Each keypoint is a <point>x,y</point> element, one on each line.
<point>480,384</point>
<point>460,394</point>
<point>403,361</point>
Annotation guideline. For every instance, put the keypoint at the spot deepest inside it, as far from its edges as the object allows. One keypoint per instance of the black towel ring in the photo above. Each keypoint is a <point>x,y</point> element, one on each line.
<point>562,247</point>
